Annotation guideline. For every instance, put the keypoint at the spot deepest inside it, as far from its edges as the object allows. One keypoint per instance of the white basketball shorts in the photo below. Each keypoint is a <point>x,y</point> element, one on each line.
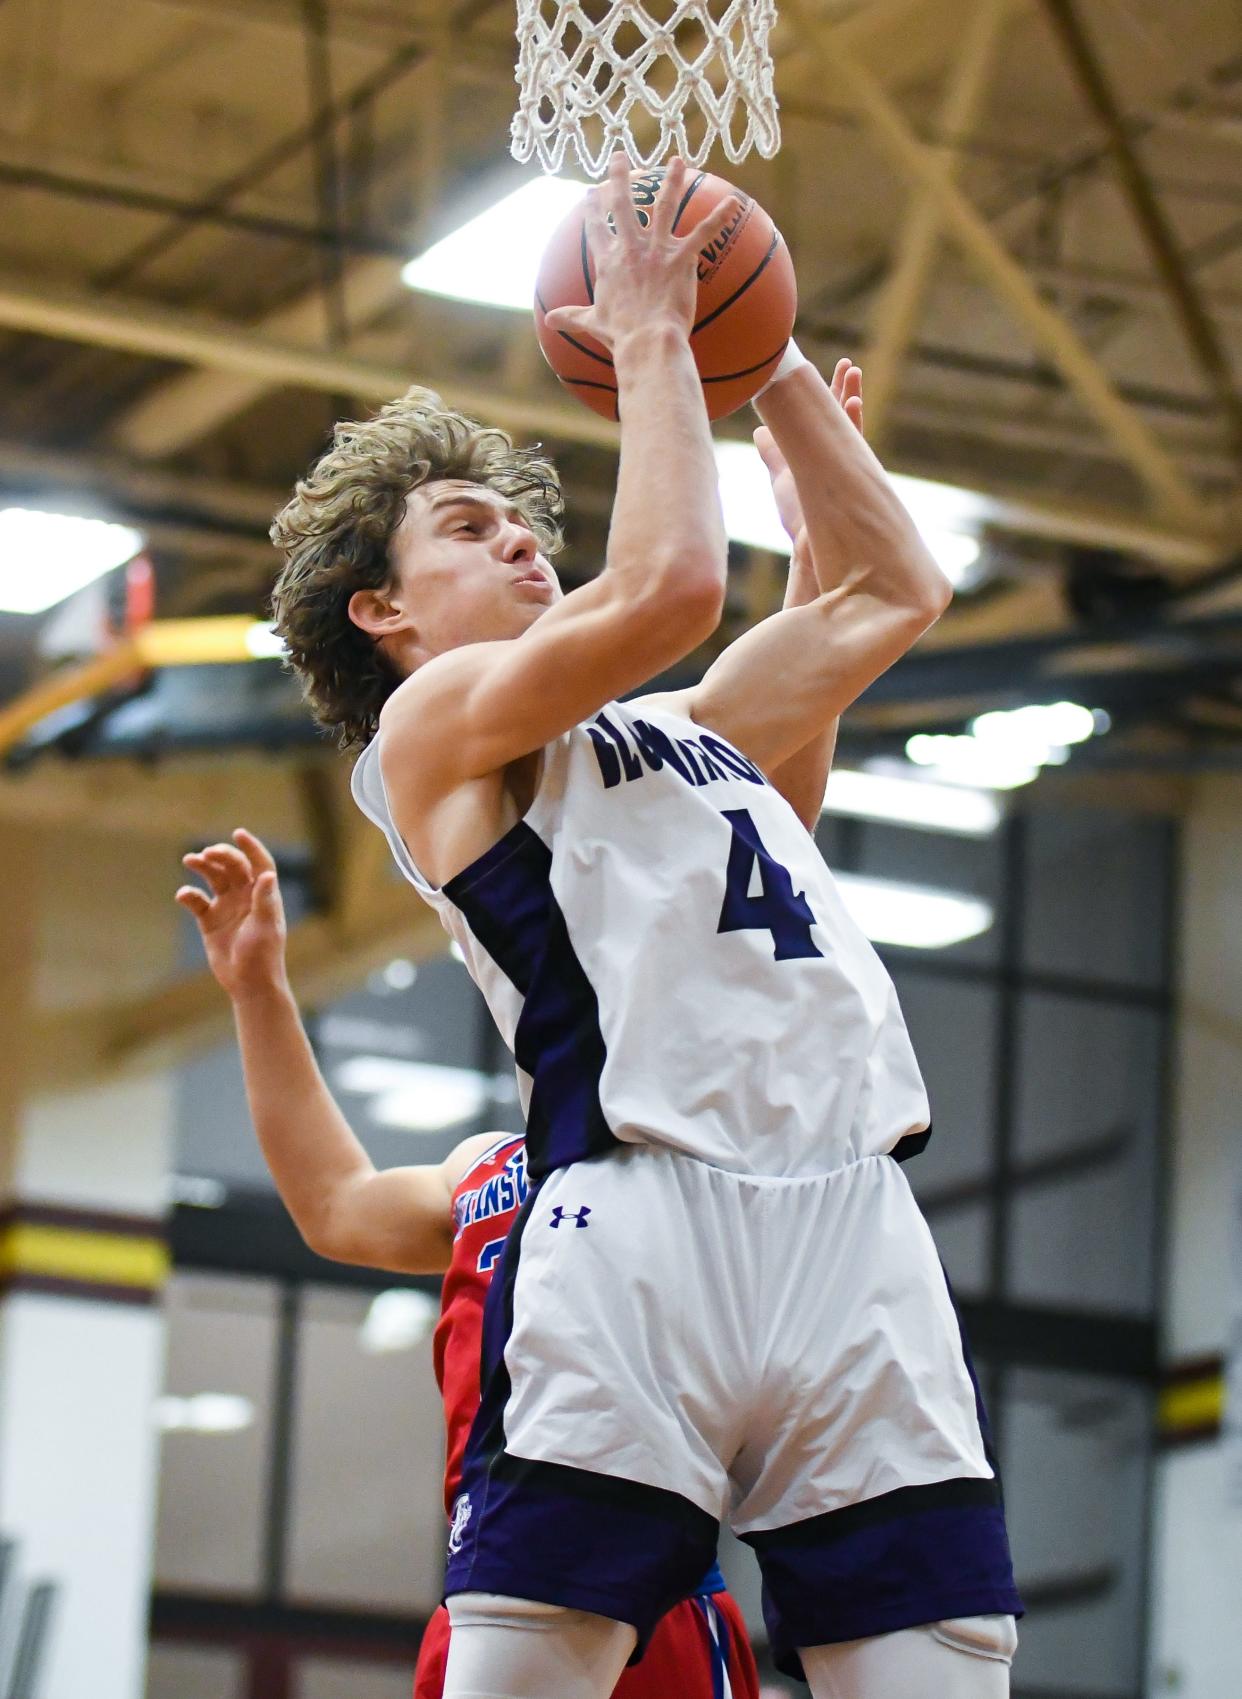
<point>669,1344</point>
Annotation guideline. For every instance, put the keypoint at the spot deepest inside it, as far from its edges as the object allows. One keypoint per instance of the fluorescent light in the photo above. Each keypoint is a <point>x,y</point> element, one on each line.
<point>204,1413</point>
<point>915,916</point>
<point>354,1032</point>
<point>946,516</point>
<point>1008,746</point>
<point>397,1320</point>
<point>197,1191</point>
<point>1043,725</point>
<point>418,1097</point>
<point>494,258</point>
<point>45,557</point>
<point>399,975</point>
<point>263,643</point>
<point>944,507</point>
<point>967,761</point>
<point>954,552</point>
<point>915,801</point>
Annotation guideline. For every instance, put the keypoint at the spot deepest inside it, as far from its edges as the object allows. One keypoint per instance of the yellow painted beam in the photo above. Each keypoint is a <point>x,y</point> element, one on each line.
<point>1192,1404</point>
<point>222,638</point>
<point>70,685</point>
<point>163,643</point>
<point>71,1253</point>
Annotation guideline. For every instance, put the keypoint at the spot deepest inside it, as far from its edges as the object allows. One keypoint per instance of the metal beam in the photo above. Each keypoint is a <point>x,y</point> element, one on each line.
<point>182,497</point>
<point>896,310</point>
<point>108,185</point>
<point>1013,508</point>
<point>1172,492</point>
<point>214,640</point>
<point>185,409</point>
<point>162,1028</point>
<point>465,14</point>
<point>1134,290</point>
<point>138,327</point>
<point>188,407</point>
<point>968,422</point>
<point>1162,245</point>
<point>900,40</point>
<point>1141,662</point>
<point>372,25</point>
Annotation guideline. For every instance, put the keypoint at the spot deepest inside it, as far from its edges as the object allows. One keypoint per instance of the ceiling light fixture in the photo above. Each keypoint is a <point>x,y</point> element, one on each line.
<point>947,517</point>
<point>263,643</point>
<point>1007,746</point>
<point>417,1097</point>
<point>915,917</point>
<point>45,557</point>
<point>400,974</point>
<point>493,259</point>
<point>397,1320</point>
<point>914,801</point>
<point>964,760</point>
<point>204,1413</point>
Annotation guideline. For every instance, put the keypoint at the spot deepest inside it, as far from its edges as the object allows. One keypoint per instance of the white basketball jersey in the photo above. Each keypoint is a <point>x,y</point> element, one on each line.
<point>670,961</point>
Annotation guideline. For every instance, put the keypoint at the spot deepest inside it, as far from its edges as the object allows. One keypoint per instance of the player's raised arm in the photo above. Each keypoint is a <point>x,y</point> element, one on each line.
<point>880,588</point>
<point>397,1219</point>
<point>476,707</point>
<point>803,778</point>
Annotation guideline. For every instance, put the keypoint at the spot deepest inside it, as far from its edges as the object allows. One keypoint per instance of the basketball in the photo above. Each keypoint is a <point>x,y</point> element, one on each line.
<point>747,298</point>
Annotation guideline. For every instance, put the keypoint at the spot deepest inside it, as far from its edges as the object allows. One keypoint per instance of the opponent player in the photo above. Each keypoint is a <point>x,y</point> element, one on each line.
<point>720,1297</point>
<point>449,1217</point>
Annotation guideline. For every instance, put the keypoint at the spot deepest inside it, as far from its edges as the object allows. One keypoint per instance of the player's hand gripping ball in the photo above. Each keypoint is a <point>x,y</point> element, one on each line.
<point>747,297</point>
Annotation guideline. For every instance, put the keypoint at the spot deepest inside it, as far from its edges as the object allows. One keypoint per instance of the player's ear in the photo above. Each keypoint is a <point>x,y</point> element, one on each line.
<point>377,612</point>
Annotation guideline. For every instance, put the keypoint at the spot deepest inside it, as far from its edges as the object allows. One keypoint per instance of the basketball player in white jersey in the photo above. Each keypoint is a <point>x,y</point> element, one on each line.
<point>719,1298</point>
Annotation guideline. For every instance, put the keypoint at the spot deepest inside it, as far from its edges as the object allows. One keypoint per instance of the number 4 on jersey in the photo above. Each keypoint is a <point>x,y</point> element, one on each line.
<point>776,907</point>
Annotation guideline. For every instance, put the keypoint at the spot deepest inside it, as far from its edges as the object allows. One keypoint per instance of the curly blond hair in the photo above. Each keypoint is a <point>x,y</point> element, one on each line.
<point>336,530</point>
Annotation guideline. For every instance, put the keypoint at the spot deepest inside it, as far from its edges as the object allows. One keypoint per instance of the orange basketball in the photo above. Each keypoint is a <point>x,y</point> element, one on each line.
<point>747,298</point>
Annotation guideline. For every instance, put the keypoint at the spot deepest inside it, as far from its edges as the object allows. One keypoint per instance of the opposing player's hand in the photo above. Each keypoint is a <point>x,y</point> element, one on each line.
<point>645,277</point>
<point>241,917</point>
<point>847,392</point>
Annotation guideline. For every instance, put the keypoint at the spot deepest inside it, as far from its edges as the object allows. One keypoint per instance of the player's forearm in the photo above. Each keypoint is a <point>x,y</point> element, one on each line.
<point>803,778</point>
<point>802,585</point>
<point>858,532</point>
<point>667,533</point>
<point>307,1143</point>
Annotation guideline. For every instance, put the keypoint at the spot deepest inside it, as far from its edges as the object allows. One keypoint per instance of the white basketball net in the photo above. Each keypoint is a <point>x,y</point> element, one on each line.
<point>699,69</point>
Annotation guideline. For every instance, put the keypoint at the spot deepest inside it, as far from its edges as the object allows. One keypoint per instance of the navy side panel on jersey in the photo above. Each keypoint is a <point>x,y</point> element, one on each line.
<point>507,900</point>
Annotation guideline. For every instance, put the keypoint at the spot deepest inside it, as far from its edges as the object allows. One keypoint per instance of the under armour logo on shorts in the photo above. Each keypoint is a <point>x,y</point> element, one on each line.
<point>577,1216</point>
<point>462,1509</point>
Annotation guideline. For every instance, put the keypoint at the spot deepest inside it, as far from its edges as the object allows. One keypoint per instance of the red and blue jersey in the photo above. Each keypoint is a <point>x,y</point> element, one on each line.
<point>485,1202</point>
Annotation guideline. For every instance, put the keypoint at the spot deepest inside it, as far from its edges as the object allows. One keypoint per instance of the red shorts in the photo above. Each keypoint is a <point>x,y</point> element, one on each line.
<point>689,1649</point>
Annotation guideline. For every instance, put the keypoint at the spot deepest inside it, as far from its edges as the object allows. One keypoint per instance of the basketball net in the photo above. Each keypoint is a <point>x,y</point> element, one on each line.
<point>587,83</point>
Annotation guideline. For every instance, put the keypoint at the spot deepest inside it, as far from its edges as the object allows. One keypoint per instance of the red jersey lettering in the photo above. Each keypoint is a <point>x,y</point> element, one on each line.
<point>485,1203</point>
